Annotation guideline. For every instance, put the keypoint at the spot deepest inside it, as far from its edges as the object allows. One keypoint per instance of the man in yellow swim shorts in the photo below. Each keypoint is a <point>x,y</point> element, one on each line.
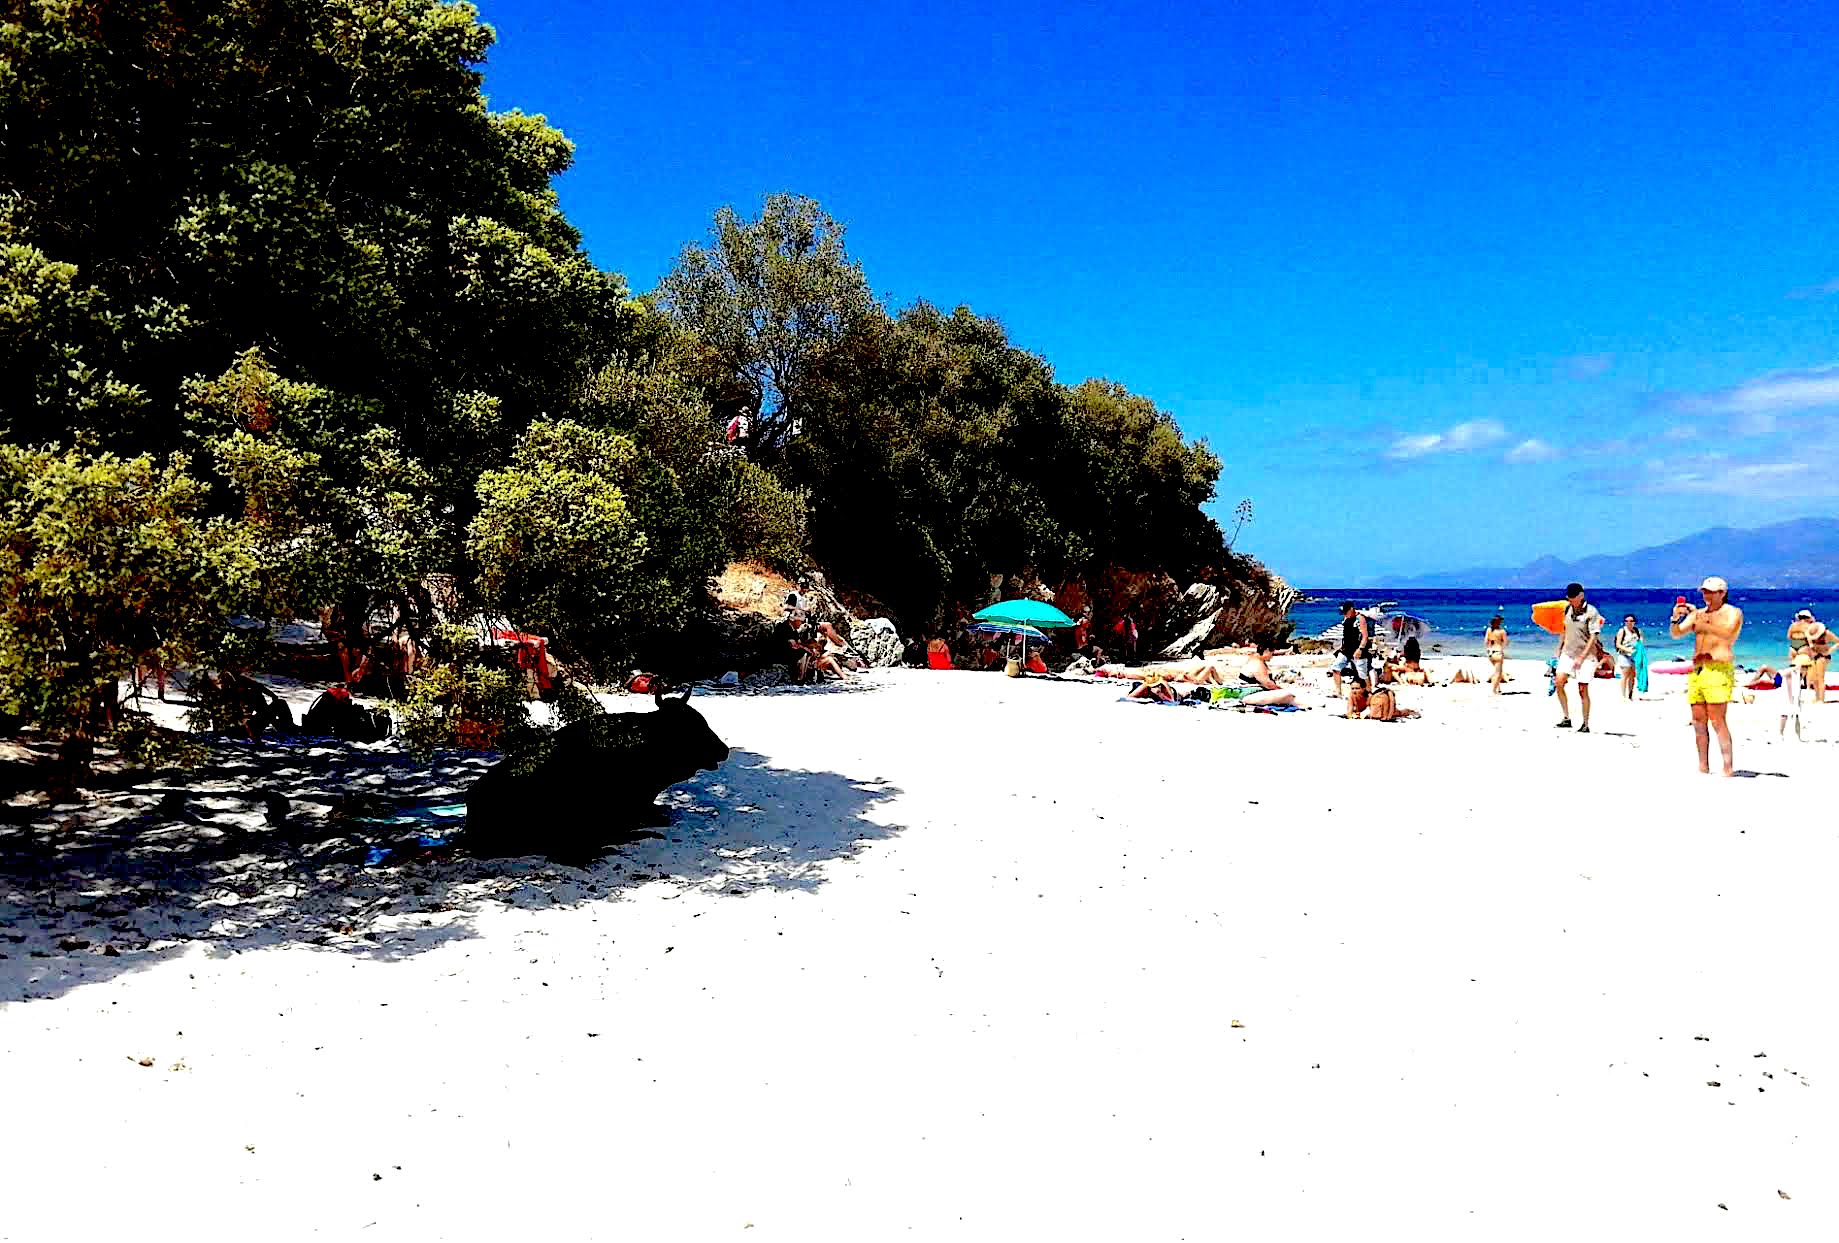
<point>1714,682</point>
<point>1714,630</point>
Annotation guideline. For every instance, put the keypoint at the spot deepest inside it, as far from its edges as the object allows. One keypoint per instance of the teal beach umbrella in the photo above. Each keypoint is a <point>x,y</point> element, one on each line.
<point>1037,613</point>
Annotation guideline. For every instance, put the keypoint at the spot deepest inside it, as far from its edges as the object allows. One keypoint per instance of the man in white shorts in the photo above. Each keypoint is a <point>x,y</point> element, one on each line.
<point>1579,645</point>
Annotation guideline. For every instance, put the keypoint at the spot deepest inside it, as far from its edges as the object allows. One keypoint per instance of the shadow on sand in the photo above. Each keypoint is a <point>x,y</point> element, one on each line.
<point>268,845</point>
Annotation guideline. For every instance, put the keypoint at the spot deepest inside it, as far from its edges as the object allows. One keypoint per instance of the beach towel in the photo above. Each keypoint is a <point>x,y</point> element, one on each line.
<point>1640,659</point>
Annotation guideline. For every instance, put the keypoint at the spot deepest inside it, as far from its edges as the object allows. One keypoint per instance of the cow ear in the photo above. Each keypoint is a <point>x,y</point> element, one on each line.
<point>683,697</point>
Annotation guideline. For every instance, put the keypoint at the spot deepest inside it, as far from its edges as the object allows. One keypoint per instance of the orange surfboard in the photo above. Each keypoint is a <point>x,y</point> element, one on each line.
<point>1549,616</point>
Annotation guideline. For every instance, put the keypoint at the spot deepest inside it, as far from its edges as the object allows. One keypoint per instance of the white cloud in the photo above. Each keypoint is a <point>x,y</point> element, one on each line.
<point>1823,290</point>
<point>1715,474</point>
<point>1475,434</point>
<point>1534,450</point>
<point>1785,392</point>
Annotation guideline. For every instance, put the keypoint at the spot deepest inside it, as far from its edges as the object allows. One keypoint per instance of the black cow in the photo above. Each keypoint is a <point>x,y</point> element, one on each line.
<point>591,784</point>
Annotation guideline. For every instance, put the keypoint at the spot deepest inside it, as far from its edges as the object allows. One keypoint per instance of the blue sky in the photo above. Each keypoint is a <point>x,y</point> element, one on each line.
<point>1442,287</point>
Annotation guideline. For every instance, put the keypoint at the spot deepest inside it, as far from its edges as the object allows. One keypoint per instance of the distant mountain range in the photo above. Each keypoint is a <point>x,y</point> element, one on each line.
<point>1802,553</point>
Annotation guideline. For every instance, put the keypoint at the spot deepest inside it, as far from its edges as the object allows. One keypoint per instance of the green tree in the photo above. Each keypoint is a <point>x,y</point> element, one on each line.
<point>938,455</point>
<point>1145,483</point>
<point>332,508</point>
<point>584,538</point>
<point>771,296</point>
<point>106,564</point>
<point>313,194</point>
<point>317,179</point>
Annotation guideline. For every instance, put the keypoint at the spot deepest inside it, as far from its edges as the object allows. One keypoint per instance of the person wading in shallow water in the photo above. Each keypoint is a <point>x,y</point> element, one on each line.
<point>1713,680</point>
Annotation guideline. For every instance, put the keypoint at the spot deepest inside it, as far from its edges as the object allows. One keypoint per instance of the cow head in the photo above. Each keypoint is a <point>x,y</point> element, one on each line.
<point>683,734</point>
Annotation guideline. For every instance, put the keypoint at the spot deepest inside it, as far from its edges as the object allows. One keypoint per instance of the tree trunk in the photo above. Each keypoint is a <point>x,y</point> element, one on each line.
<point>73,764</point>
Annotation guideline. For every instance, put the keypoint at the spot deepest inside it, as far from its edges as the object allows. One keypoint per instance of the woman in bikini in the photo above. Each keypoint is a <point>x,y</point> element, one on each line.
<point>1495,641</point>
<point>1809,648</point>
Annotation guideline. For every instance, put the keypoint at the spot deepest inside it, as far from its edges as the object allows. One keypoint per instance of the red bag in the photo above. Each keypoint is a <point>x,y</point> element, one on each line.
<point>642,683</point>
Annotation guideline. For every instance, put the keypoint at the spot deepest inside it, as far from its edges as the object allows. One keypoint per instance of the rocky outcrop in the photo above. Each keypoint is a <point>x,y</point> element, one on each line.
<point>1238,601</point>
<point>1196,615</point>
<point>821,603</point>
<point>876,642</point>
<point>1254,604</point>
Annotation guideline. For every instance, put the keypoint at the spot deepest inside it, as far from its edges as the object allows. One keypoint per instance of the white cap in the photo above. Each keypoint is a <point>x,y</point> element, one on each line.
<point>1714,583</point>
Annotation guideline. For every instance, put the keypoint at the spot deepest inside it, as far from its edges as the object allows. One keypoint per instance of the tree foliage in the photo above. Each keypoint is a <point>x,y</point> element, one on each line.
<point>291,320</point>
<point>319,180</point>
<point>105,564</point>
<point>771,297</point>
<point>289,239</point>
<point>585,538</point>
<point>939,455</point>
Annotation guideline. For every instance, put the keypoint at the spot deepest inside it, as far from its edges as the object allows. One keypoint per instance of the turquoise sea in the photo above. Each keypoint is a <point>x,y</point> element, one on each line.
<point>1459,617</point>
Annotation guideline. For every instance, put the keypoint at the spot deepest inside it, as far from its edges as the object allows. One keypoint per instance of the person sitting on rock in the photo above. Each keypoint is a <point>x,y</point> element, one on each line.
<point>836,647</point>
<point>791,643</point>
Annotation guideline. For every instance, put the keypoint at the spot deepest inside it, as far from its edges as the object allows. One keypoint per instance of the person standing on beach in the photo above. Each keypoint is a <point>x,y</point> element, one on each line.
<point>1355,655</point>
<point>1495,641</point>
<point>1126,631</point>
<point>1579,643</point>
<point>1628,639</point>
<point>1713,680</point>
<point>1809,648</point>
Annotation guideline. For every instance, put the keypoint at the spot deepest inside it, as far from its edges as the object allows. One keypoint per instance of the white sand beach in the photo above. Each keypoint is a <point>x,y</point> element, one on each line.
<point>959,956</point>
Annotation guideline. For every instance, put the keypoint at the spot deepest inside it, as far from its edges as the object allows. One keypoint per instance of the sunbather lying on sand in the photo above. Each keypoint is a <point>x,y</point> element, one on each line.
<point>1166,690</point>
<point>1205,674</point>
<point>1258,674</point>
